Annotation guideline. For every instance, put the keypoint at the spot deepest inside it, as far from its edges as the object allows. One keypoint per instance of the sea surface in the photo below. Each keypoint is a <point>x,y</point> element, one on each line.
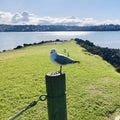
<point>10,40</point>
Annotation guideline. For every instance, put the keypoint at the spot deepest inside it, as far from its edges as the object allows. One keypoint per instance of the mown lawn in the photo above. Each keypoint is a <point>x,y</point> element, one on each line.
<point>93,86</point>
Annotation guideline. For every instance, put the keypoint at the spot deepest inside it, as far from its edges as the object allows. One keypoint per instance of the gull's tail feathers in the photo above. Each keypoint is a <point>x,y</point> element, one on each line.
<point>76,61</point>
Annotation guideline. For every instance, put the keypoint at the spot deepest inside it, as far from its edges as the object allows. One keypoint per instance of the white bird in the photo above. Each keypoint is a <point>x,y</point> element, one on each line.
<point>117,118</point>
<point>60,59</point>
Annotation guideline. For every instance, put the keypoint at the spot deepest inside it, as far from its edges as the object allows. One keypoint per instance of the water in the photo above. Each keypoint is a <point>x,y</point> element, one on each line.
<point>9,40</point>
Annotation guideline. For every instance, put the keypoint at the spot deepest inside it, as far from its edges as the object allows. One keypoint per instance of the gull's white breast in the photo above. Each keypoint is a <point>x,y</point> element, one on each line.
<point>53,57</point>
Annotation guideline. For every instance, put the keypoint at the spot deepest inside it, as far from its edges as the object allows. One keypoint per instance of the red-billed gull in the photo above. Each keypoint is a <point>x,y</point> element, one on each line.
<point>61,59</point>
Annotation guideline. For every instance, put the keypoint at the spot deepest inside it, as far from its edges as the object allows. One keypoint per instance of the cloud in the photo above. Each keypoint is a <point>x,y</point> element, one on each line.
<point>72,21</point>
<point>31,19</point>
<point>24,18</point>
<point>115,21</point>
<point>5,17</point>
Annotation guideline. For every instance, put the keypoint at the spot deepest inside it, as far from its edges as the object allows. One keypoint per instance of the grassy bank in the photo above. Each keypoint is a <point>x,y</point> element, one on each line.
<point>93,86</point>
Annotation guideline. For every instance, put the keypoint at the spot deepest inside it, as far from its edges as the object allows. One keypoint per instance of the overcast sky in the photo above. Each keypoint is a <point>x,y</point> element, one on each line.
<point>66,12</point>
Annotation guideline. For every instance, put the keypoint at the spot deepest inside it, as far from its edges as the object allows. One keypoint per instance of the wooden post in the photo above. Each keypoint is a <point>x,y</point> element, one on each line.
<point>56,97</point>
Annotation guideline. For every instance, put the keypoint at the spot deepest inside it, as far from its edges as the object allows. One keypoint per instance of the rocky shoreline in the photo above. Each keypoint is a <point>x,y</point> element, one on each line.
<point>111,55</point>
<point>32,44</point>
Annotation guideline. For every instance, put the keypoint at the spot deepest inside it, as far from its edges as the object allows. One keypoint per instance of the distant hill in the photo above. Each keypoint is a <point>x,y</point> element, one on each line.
<point>34,28</point>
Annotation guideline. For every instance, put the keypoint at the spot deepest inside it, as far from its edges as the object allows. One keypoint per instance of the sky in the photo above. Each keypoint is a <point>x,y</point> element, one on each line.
<point>60,12</point>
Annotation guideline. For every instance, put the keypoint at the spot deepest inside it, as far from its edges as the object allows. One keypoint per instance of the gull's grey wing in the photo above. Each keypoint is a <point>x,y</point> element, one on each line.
<point>64,60</point>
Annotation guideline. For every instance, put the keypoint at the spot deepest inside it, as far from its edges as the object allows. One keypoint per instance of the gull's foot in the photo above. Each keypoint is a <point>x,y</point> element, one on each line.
<point>58,72</point>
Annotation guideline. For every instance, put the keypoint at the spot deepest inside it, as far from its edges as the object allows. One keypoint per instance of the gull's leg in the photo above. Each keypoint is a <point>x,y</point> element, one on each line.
<point>61,69</point>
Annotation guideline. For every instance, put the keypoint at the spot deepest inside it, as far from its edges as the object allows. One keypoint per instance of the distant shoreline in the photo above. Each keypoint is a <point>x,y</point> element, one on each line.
<point>53,28</point>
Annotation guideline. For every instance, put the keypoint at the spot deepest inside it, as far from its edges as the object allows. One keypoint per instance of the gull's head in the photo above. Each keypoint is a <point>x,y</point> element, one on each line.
<point>53,51</point>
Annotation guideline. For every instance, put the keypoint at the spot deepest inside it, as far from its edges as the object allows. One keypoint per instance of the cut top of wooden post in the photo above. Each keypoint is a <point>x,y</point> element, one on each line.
<point>55,84</point>
<point>53,74</point>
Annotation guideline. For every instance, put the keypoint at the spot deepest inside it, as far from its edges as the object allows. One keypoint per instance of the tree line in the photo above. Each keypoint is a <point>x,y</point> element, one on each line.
<point>34,28</point>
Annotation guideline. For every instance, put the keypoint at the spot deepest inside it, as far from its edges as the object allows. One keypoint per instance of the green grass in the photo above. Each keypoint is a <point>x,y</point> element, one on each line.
<point>93,86</point>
